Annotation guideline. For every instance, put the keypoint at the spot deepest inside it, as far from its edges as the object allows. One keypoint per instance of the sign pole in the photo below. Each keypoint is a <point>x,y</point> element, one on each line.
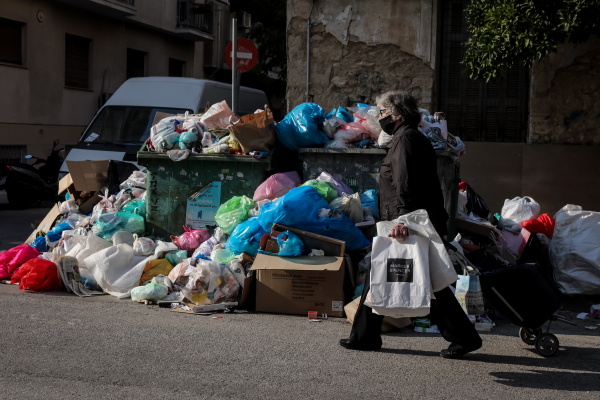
<point>234,81</point>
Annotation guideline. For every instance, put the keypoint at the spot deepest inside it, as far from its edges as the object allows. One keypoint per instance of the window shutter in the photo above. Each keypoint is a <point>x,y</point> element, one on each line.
<point>11,42</point>
<point>77,62</point>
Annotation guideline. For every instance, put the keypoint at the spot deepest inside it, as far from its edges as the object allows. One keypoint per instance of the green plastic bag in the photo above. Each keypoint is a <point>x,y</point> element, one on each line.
<point>175,257</point>
<point>110,224</point>
<point>224,256</point>
<point>325,189</point>
<point>135,206</point>
<point>233,212</point>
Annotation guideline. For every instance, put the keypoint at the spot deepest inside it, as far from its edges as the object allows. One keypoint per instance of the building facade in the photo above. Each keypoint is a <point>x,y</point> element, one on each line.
<point>533,132</point>
<point>60,60</point>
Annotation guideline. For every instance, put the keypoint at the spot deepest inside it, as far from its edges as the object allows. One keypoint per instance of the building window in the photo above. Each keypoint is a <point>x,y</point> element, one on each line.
<point>13,153</point>
<point>137,63</point>
<point>176,67</point>
<point>12,42</point>
<point>77,62</point>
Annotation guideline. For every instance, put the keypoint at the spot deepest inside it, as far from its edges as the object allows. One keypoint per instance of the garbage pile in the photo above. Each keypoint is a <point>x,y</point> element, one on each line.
<point>219,131</point>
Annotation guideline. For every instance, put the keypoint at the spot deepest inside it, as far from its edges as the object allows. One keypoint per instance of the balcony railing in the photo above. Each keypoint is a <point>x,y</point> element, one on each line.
<point>128,2</point>
<point>194,15</point>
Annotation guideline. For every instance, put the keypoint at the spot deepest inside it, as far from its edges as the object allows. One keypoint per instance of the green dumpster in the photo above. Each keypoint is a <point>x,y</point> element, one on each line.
<point>169,184</point>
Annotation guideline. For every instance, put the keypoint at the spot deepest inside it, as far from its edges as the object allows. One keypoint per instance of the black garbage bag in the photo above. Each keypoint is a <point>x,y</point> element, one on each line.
<point>476,205</point>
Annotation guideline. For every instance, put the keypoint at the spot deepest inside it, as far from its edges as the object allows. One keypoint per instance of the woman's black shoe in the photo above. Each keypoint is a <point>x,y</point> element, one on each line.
<point>454,352</point>
<point>347,343</point>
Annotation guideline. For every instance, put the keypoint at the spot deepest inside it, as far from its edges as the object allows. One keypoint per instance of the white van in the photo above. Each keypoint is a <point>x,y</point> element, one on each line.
<point>123,124</point>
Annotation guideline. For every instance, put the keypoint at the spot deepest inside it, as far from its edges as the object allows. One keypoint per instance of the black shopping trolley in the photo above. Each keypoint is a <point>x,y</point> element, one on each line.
<point>524,296</point>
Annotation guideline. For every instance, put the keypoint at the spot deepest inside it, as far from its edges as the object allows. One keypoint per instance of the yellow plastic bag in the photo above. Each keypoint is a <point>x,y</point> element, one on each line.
<point>154,268</point>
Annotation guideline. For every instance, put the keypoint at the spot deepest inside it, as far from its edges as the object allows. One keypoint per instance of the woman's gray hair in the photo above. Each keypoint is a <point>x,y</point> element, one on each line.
<point>399,102</point>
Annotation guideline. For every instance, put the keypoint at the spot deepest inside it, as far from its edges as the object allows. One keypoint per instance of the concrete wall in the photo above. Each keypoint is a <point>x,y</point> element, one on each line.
<point>565,96</point>
<point>34,96</point>
<point>389,45</point>
<point>554,175</point>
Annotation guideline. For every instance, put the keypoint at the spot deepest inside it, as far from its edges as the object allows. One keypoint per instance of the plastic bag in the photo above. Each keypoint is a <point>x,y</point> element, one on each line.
<point>56,233</point>
<point>451,146</point>
<point>187,140</point>
<point>205,248</point>
<point>151,291</point>
<point>211,283</point>
<point>475,203</point>
<point>69,206</point>
<point>245,238</point>
<point>123,237</point>
<point>137,179</point>
<point>163,135</point>
<point>37,274</point>
<point>191,239</point>
<point>135,206</point>
<point>369,122</point>
<point>219,114</point>
<point>178,155</point>
<point>163,248</point>
<point>351,132</point>
<point>175,257</point>
<point>93,244</point>
<point>331,124</point>
<point>324,188</point>
<point>517,210</point>
<point>154,268</point>
<point>238,271</point>
<point>277,185</point>
<point>385,140</point>
<point>300,128</point>
<point>40,244</point>
<point>350,206</point>
<point>223,256</point>
<point>11,260</point>
<point>543,224</point>
<point>337,144</point>
<point>290,245</point>
<point>337,183</point>
<point>370,199</point>
<point>233,212</point>
<point>110,223</point>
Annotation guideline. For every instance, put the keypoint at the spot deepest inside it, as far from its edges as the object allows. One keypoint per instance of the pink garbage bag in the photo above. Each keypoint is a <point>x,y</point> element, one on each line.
<point>12,259</point>
<point>277,185</point>
<point>191,239</point>
<point>337,183</point>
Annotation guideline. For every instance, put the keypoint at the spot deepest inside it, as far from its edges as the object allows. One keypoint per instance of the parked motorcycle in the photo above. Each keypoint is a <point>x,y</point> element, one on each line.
<point>27,184</point>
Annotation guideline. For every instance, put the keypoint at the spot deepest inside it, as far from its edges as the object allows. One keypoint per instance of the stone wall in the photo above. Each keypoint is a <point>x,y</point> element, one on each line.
<point>361,49</point>
<point>565,96</point>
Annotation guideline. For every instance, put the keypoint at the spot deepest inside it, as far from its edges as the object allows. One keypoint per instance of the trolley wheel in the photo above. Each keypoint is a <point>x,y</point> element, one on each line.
<point>529,338</point>
<point>546,344</point>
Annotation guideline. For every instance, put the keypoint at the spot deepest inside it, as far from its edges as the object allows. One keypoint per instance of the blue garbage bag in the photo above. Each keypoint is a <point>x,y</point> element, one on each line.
<point>245,238</point>
<point>56,233</point>
<point>299,208</point>
<point>291,247</point>
<point>299,204</point>
<point>40,244</point>
<point>370,199</point>
<point>300,128</point>
<point>343,114</point>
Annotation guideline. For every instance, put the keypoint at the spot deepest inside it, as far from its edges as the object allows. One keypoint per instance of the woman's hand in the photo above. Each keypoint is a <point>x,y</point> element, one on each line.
<point>399,232</point>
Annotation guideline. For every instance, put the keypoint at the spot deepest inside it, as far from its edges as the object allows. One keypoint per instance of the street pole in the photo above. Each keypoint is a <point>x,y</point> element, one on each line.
<point>234,80</point>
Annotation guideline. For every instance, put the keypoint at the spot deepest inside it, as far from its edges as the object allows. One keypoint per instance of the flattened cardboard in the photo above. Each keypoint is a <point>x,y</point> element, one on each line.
<point>46,223</point>
<point>88,206</point>
<point>64,183</point>
<point>301,263</point>
<point>474,227</point>
<point>89,176</point>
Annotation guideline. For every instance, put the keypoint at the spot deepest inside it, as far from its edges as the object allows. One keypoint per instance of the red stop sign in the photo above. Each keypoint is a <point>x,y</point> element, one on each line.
<point>247,55</point>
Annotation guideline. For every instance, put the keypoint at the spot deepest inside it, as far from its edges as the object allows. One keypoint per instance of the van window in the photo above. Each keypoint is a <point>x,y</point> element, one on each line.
<point>124,124</point>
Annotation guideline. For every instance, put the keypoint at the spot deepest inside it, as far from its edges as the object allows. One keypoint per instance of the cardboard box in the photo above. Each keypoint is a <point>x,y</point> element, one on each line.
<point>474,227</point>
<point>89,176</point>
<point>46,223</point>
<point>297,285</point>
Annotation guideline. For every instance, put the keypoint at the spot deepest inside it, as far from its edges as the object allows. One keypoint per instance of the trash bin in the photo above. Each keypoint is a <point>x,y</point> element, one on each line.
<point>359,169</point>
<point>170,183</point>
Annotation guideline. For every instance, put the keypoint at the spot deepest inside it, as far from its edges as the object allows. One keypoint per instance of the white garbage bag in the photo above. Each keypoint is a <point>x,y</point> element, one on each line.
<point>93,244</point>
<point>517,210</point>
<point>116,269</point>
<point>350,206</point>
<point>400,284</point>
<point>574,251</point>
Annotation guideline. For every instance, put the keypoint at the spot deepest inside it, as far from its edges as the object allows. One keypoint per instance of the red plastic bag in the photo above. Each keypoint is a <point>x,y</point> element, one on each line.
<point>351,132</point>
<point>277,185</point>
<point>37,274</point>
<point>543,224</point>
<point>190,240</point>
<point>12,259</point>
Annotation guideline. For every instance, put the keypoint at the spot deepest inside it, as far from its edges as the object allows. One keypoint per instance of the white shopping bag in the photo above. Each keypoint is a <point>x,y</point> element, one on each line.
<point>400,285</point>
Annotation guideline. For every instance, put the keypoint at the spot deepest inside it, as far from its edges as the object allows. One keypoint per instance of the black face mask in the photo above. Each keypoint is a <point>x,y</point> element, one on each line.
<point>387,125</point>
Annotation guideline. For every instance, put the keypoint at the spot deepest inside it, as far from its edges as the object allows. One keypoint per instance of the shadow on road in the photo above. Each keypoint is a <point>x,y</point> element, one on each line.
<point>566,381</point>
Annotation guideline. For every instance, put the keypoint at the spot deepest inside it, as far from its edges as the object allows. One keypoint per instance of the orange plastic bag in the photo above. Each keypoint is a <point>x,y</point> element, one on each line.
<point>154,268</point>
<point>37,274</point>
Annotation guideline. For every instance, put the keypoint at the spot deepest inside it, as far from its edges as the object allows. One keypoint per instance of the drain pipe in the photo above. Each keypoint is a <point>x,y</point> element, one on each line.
<point>308,50</point>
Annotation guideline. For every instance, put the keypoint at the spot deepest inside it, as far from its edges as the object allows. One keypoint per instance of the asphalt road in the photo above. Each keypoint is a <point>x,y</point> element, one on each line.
<point>58,346</point>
